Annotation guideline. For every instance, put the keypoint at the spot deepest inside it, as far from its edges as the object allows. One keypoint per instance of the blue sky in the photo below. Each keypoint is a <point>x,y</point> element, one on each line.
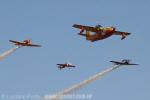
<point>49,23</point>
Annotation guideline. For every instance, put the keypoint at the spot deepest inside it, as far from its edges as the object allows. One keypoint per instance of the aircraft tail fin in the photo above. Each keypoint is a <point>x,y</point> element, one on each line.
<point>123,36</point>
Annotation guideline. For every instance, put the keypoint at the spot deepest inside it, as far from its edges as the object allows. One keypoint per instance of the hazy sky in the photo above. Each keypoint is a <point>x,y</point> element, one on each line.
<point>49,23</point>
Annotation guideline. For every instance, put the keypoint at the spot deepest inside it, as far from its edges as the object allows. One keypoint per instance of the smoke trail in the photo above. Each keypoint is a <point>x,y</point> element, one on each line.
<point>7,53</point>
<point>81,84</point>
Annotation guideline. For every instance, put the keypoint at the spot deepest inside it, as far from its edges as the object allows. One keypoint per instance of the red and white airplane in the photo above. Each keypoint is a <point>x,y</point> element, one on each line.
<point>123,62</point>
<point>100,32</point>
<point>67,64</point>
<point>24,43</point>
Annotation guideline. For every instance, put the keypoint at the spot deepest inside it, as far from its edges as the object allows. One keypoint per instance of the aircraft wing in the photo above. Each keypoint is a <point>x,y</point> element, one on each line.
<point>61,66</point>
<point>15,41</point>
<point>132,64</point>
<point>33,45</point>
<point>120,33</point>
<point>72,66</point>
<point>117,63</point>
<point>87,28</point>
<point>58,64</point>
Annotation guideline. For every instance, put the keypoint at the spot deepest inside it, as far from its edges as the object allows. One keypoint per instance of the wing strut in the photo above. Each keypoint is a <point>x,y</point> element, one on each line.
<point>82,29</point>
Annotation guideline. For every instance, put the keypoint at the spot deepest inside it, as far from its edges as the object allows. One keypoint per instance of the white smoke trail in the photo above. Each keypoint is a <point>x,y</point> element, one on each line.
<point>80,85</point>
<point>7,53</point>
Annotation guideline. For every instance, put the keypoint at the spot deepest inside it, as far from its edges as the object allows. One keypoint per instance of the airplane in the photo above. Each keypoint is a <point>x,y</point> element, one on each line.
<point>67,64</point>
<point>100,33</point>
<point>123,62</point>
<point>24,43</point>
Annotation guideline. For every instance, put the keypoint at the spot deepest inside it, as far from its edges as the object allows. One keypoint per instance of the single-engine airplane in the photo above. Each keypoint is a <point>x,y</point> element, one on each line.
<point>24,43</point>
<point>123,62</point>
<point>100,32</point>
<point>69,65</point>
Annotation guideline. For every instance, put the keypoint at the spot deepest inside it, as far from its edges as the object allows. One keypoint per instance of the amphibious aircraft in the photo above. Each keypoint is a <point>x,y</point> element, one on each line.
<point>67,64</point>
<point>99,32</point>
<point>24,43</point>
<point>123,62</point>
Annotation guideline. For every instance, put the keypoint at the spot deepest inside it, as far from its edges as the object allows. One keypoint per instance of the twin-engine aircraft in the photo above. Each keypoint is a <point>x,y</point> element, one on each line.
<point>24,43</point>
<point>123,62</point>
<point>67,64</point>
<point>100,33</point>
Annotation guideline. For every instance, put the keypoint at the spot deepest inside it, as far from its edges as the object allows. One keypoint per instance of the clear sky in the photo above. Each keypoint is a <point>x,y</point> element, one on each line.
<point>49,23</point>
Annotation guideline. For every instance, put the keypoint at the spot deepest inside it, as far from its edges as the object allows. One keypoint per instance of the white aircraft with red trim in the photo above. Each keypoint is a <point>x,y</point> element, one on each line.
<point>67,64</point>
<point>100,32</point>
<point>24,43</point>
